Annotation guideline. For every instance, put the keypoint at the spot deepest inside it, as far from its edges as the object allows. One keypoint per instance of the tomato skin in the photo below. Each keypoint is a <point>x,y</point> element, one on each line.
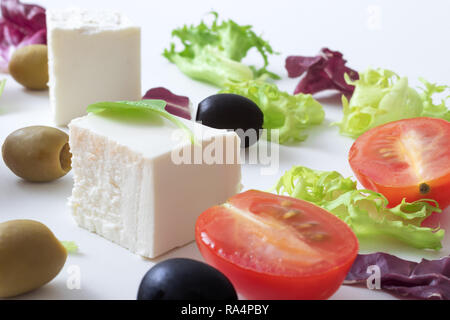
<point>258,286</point>
<point>440,190</point>
<point>395,192</point>
<point>270,286</point>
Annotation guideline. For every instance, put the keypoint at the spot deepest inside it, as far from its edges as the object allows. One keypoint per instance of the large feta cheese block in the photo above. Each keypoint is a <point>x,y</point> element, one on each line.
<point>93,56</point>
<point>138,186</point>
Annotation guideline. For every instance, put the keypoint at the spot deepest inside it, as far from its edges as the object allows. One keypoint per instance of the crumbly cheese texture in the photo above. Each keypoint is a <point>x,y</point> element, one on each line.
<point>93,56</point>
<point>128,189</point>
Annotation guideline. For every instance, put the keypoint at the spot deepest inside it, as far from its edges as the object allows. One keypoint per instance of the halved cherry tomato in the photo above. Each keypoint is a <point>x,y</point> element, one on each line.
<point>276,247</point>
<point>405,159</point>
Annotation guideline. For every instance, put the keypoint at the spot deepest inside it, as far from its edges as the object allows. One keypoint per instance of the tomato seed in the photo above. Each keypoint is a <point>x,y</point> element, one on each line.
<point>317,236</point>
<point>290,214</point>
<point>305,226</point>
<point>424,188</point>
<point>286,203</point>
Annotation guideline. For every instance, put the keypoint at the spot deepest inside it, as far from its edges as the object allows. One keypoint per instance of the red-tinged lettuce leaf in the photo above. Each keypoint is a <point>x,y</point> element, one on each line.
<point>20,25</point>
<point>428,279</point>
<point>297,65</point>
<point>323,72</point>
<point>176,105</point>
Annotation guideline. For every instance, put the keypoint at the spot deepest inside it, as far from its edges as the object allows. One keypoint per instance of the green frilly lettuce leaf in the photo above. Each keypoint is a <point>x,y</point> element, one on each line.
<point>2,86</point>
<point>71,246</point>
<point>289,114</point>
<point>365,211</point>
<point>431,109</point>
<point>381,96</point>
<point>213,53</point>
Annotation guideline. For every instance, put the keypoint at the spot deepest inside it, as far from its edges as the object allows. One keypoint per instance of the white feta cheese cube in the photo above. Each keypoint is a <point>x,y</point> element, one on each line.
<point>130,187</point>
<point>93,57</point>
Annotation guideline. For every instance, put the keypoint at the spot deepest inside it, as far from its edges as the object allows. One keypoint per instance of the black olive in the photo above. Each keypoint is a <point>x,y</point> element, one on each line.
<point>185,279</point>
<point>232,111</point>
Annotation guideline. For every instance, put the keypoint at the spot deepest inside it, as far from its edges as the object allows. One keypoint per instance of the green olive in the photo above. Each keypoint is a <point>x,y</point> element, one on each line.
<point>37,153</point>
<point>30,256</point>
<point>29,66</point>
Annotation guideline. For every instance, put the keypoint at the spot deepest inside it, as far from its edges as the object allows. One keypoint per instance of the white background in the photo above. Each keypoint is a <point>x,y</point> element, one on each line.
<point>410,37</point>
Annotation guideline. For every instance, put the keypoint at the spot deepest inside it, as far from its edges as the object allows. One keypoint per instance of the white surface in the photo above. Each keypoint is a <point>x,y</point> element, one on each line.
<point>129,188</point>
<point>93,56</point>
<point>407,36</point>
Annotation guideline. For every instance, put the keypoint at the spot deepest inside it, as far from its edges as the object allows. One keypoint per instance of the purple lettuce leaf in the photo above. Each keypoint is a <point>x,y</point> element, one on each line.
<point>20,25</point>
<point>176,105</point>
<point>428,279</point>
<point>323,72</point>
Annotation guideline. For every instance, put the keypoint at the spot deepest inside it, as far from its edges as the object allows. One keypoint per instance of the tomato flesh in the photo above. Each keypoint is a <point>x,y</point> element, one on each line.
<point>275,247</point>
<point>405,159</point>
